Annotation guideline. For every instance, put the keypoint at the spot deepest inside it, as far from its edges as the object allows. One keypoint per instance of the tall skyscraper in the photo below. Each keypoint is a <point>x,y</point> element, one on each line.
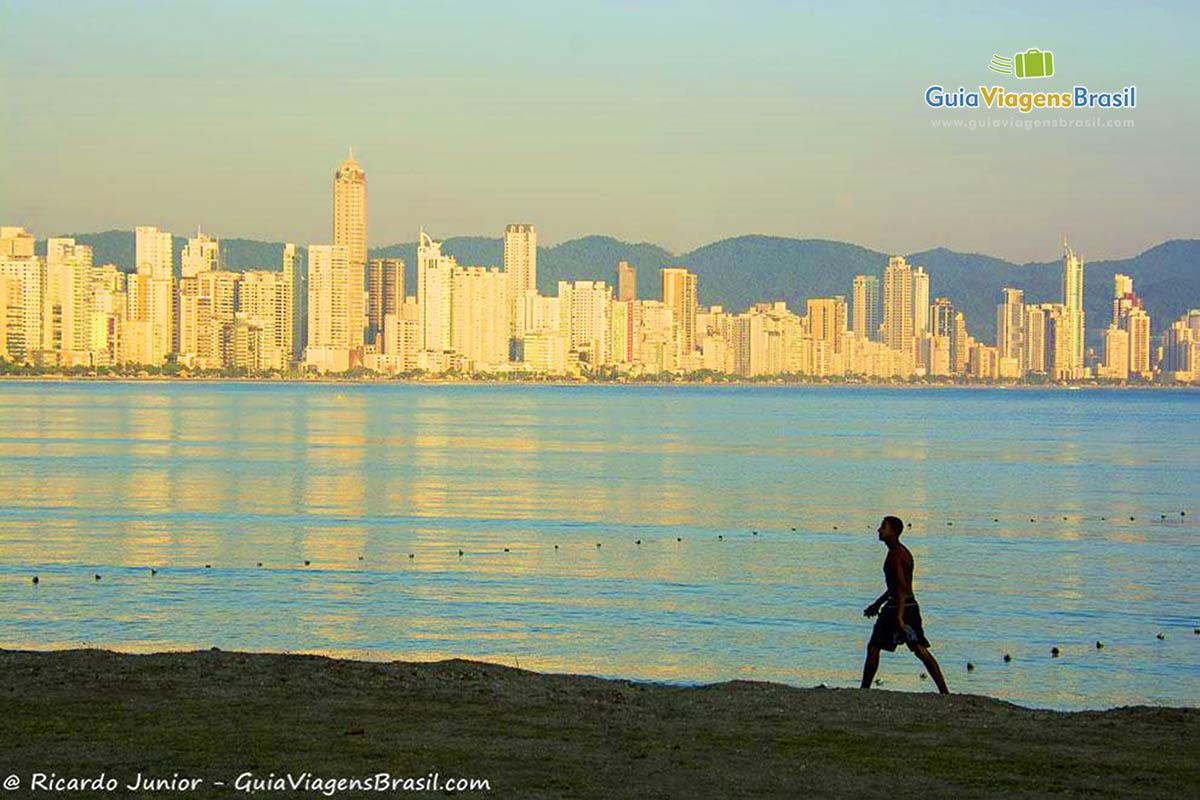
<point>335,309</point>
<point>151,326</point>
<point>385,293</point>
<point>1010,326</point>
<point>626,282</point>
<point>201,254</point>
<point>1034,346</point>
<point>434,282</point>
<point>866,307</point>
<point>520,264</point>
<point>286,313</point>
<point>898,324</point>
<point>679,294</point>
<point>920,300</point>
<point>1072,300</point>
<point>350,211</point>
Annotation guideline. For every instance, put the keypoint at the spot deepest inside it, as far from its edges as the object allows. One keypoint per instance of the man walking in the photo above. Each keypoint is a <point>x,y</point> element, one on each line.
<point>899,615</point>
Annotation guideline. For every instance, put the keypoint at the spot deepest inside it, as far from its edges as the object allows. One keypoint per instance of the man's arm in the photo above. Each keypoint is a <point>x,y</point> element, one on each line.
<point>873,609</point>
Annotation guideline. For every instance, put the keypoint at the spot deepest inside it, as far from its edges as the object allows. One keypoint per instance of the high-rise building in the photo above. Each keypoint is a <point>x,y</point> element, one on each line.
<point>350,211</point>
<point>626,282</point>
<point>866,307</point>
<point>826,322</point>
<point>920,280</point>
<point>1123,299</point>
<point>201,254</point>
<point>1116,354</point>
<point>154,252</point>
<point>520,264</point>
<point>434,276</point>
<point>586,317</point>
<point>335,309</point>
<point>679,294</point>
<point>1072,301</point>
<point>1139,342</point>
<point>1010,329</point>
<point>898,324</point>
<point>286,313</point>
<point>151,329</point>
<point>21,293</point>
<point>1034,346</point>
<point>66,302</point>
<point>479,327</point>
<point>385,293</point>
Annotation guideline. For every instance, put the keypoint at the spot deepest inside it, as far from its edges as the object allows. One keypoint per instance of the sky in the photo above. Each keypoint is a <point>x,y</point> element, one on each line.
<point>678,123</point>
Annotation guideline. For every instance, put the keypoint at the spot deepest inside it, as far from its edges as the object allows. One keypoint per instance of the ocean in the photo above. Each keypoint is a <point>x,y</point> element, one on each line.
<point>678,533</point>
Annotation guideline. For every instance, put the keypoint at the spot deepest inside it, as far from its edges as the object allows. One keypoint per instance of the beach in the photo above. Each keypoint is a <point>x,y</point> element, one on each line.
<point>215,716</point>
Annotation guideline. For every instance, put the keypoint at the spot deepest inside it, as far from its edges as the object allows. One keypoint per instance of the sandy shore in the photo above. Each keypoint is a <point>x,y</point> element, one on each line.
<point>217,715</point>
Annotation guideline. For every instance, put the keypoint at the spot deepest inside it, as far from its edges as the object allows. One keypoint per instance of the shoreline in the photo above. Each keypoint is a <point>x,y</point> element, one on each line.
<point>215,715</point>
<point>561,381</point>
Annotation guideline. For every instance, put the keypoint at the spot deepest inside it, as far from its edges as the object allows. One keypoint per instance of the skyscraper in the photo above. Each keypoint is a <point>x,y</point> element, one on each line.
<point>479,328</point>
<point>66,302</point>
<point>434,276</point>
<point>286,313</point>
<point>21,293</point>
<point>385,293</point>
<point>520,264</point>
<point>350,210</point>
<point>1072,322</point>
<point>626,282</point>
<point>152,333</point>
<point>335,311</point>
<point>1010,326</point>
<point>920,300</point>
<point>866,307</point>
<point>679,294</point>
<point>898,324</point>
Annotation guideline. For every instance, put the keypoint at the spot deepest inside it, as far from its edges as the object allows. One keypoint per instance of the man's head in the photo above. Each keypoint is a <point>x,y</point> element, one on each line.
<point>890,528</point>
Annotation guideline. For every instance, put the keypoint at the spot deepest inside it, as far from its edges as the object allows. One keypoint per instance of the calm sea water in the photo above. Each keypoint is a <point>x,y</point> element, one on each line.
<point>547,491</point>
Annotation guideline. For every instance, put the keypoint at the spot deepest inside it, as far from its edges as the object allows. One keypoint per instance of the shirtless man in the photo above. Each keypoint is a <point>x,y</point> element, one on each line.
<point>899,615</point>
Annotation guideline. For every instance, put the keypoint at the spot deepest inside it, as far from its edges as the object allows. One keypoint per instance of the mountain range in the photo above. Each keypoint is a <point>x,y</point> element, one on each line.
<point>740,271</point>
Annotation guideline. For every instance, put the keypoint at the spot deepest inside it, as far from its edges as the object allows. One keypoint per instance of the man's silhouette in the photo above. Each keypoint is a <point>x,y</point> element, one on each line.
<point>899,615</point>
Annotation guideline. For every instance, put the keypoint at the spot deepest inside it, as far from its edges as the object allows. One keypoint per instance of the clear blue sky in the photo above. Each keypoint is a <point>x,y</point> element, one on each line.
<point>672,122</point>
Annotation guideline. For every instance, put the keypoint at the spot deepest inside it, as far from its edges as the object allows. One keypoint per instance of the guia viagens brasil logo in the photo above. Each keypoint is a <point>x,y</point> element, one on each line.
<point>1033,63</point>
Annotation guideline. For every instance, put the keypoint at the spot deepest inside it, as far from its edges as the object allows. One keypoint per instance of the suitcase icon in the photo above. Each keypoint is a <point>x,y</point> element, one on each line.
<point>1034,63</point>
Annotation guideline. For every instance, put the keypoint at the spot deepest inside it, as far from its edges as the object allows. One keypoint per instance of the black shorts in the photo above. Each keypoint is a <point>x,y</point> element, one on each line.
<point>888,635</point>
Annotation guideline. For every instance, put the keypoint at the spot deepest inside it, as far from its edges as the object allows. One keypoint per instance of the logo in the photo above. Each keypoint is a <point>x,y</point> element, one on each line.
<point>1033,63</point>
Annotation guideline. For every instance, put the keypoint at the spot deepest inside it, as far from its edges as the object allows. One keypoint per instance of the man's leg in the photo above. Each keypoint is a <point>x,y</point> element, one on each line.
<point>870,666</point>
<point>931,664</point>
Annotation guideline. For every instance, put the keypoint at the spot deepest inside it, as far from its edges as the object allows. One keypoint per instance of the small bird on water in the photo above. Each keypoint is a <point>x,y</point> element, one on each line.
<point>97,576</point>
<point>153,571</point>
<point>35,580</point>
<point>970,667</point>
<point>410,555</point>
<point>460,551</point>
<point>306,563</point>
<point>1161,636</point>
<point>1007,658</point>
<point>1054,652</point>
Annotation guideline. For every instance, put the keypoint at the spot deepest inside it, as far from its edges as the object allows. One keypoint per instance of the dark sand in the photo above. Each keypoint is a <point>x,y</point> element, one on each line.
<point>214,715</point>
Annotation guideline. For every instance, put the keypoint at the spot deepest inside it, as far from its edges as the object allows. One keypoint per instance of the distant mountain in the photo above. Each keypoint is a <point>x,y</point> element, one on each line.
<point>747,269</point>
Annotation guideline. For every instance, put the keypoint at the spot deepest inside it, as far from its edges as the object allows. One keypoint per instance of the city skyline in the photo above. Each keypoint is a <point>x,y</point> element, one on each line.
<point>633,124</point>
<point>61,310</point>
